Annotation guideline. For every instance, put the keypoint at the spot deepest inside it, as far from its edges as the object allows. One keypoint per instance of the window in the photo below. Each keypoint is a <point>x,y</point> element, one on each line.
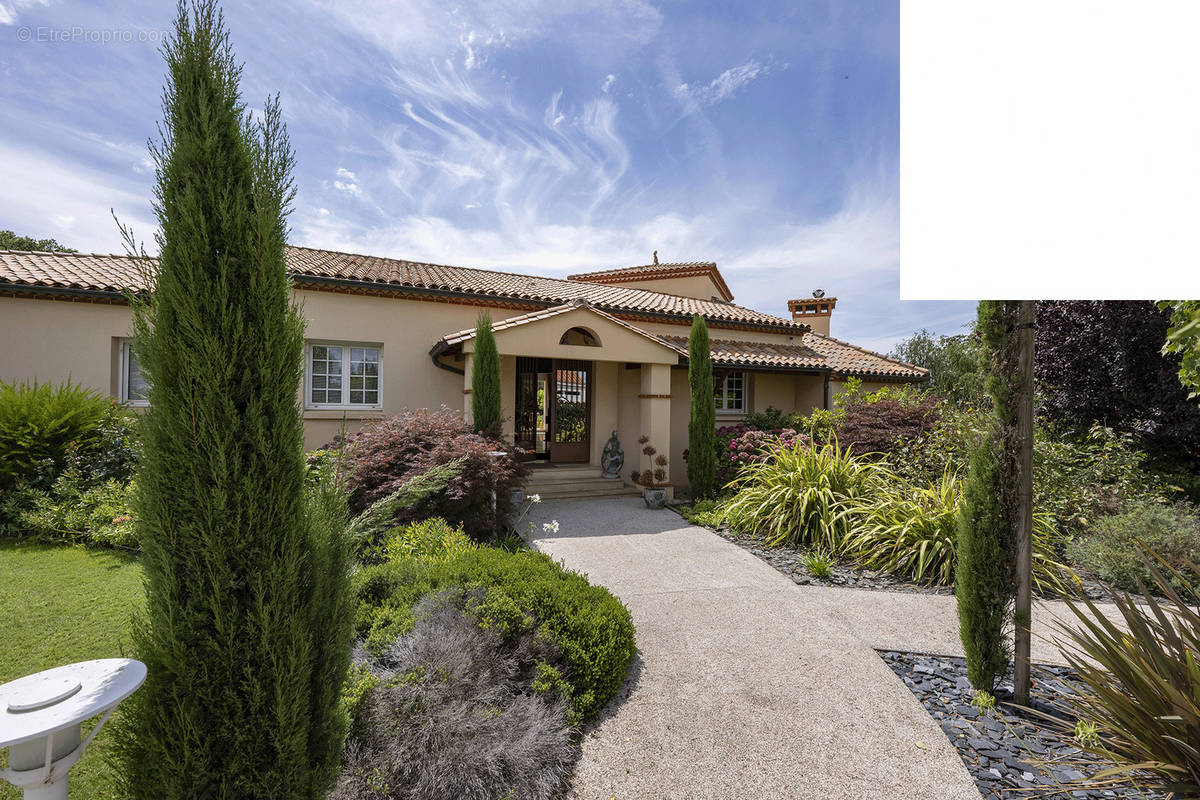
<point>579,336</point>
<point>132,387</point>
<point>342,376</point>
<point>730,391</point>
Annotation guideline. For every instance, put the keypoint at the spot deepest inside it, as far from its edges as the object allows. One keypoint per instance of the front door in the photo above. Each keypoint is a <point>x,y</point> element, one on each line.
<point>571,411</point>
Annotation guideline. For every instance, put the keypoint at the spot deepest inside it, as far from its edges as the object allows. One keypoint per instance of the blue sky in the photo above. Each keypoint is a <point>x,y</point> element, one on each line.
<point>542,136</point>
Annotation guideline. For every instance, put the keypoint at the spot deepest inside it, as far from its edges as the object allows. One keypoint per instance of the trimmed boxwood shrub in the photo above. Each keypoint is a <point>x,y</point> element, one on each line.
<point>521,592</point>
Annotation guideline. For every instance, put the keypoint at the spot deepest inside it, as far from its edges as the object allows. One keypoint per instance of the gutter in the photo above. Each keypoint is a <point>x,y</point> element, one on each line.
<point>63,291</point>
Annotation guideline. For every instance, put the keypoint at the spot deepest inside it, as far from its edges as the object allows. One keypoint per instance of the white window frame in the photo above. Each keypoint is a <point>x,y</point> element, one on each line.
<point>721,394</point>
<point>345,404</point>
<point>123,377</point>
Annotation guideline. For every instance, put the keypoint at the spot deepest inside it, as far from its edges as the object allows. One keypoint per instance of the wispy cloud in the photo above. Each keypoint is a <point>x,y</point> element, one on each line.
<point>609,80</point>
<point>347,182</point>
<point>722,87</point>
<point>10,9</point>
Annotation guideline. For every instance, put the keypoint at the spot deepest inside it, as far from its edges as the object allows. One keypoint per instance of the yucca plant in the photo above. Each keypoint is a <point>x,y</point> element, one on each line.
<point>797,496</point>
<point>1141,677</point>
<point>911,530</point>
<point>905,529</point>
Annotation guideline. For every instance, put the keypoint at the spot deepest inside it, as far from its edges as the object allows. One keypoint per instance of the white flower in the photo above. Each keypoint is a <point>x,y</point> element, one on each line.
<point>550,527</point>
<point>535,498</point>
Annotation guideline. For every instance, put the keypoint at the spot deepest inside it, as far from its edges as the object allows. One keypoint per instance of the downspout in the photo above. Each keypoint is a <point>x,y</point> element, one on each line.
<point>825,393</point>
<point>437,350</point>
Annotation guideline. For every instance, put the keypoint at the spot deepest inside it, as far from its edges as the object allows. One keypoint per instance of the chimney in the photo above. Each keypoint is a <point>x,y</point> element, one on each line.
<point>814,313</point>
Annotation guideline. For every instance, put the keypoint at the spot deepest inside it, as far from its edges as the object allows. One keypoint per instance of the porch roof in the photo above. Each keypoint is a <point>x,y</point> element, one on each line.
<point>664,351</point>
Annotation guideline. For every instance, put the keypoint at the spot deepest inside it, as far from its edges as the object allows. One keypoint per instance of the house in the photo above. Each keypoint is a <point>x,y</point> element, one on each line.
<point>581,357</point>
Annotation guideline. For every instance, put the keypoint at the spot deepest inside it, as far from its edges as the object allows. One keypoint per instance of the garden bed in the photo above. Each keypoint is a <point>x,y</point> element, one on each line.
<point>1010,752</point>
<point>791,563</point>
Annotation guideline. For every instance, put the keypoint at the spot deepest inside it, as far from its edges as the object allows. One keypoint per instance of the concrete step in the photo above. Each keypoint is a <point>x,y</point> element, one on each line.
<point>584,492</point>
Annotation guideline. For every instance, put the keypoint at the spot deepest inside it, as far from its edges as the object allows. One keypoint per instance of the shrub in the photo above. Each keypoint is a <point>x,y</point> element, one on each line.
<point>1111,551</point>
<point>740,445</point>
<point>430,540</point>
<point>701,467</point>
<point>1080,478</point>
<point>384,454</point>
<point>366,531</point>
<point>798,495</point>
<point>911,530</point>
<point>456,712</point>
<point>1142,680</point>
<point>100,515</point>
<point>882,421</point>
<point>42,423</point>
<point>524,591</point>
<point>772,419</point>
<point>709,513</point>
<point>485,380</point>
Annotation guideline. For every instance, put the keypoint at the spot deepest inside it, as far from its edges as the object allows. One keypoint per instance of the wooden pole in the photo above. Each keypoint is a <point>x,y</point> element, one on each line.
<point>1022,618</point>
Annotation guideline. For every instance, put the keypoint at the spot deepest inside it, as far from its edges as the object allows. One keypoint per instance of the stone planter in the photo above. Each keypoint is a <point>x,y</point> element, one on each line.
<point>655,496</point>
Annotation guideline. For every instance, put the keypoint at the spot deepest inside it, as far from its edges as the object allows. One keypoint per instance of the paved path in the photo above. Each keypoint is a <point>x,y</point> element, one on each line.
<point>747,686</point>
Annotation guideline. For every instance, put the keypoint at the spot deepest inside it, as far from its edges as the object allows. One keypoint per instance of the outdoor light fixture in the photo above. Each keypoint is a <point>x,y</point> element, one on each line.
<point>41,714</point>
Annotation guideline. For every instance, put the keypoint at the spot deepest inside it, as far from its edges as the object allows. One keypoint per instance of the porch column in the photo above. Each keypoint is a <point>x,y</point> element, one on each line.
<point>466,403</point>
<point>655,401</point>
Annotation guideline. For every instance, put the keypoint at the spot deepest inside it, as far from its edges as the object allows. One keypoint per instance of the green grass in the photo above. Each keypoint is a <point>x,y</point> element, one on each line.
<point>61,605</point>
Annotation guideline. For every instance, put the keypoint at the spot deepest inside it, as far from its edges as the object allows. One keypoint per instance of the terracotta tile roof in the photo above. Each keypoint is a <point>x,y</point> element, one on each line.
<point>451,339</point>
<point>814,351</point>
<point>324,268</point>
<point>655,271</point>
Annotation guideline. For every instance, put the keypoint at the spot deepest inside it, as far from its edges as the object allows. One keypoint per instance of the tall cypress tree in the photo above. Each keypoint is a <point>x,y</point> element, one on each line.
<point>702,456</point>
<point>485,378</point>
<point>985,575</point>
<point>246,627</point>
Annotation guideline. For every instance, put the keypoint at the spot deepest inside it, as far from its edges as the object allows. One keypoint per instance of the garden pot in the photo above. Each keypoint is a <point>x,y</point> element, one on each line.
<point>655,497</point>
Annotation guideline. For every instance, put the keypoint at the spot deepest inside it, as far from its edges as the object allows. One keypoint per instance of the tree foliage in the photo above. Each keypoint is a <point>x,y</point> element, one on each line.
<point>985,577</point>
<point>13,241</point>
<point>1102,361</point>
<point>485,379</point>
<point>952,361</point>
<point>247,625</point>
<point>1183,340</point>
<point>701,465</point>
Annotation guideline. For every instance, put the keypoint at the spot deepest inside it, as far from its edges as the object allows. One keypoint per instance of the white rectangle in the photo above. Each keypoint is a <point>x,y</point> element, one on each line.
<point>1050,149</point>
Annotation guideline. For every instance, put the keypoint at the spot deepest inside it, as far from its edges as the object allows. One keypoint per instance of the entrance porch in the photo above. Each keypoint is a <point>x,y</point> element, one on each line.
<point>572,377</point>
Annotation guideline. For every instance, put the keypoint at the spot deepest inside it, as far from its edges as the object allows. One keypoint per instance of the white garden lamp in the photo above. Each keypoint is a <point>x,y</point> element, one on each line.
<point>41,714</point>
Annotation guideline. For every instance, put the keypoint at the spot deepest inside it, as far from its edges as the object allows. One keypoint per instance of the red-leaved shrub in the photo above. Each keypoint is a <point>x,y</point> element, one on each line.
<point>385,453</point>
<point>879,425</point>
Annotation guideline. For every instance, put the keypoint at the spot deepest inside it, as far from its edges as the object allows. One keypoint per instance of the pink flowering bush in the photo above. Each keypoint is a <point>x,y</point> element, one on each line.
<point>739,445</point>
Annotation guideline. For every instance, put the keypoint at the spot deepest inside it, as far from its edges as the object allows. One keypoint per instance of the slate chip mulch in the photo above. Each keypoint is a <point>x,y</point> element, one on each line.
<point>791,563</point>
<point>1010,753</point>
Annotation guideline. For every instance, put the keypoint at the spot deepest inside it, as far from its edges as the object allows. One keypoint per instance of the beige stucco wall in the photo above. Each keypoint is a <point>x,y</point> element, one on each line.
<point>49,340</point>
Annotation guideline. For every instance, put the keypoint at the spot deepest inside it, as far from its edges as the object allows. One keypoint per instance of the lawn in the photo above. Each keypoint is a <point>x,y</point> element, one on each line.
<point>60,605</point>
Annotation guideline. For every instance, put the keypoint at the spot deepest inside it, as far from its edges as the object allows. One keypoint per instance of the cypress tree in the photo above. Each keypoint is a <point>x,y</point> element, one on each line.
<point>702,457</point>
<point>246,628</point>
<point>485,379</point>
<point>985,575</point>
